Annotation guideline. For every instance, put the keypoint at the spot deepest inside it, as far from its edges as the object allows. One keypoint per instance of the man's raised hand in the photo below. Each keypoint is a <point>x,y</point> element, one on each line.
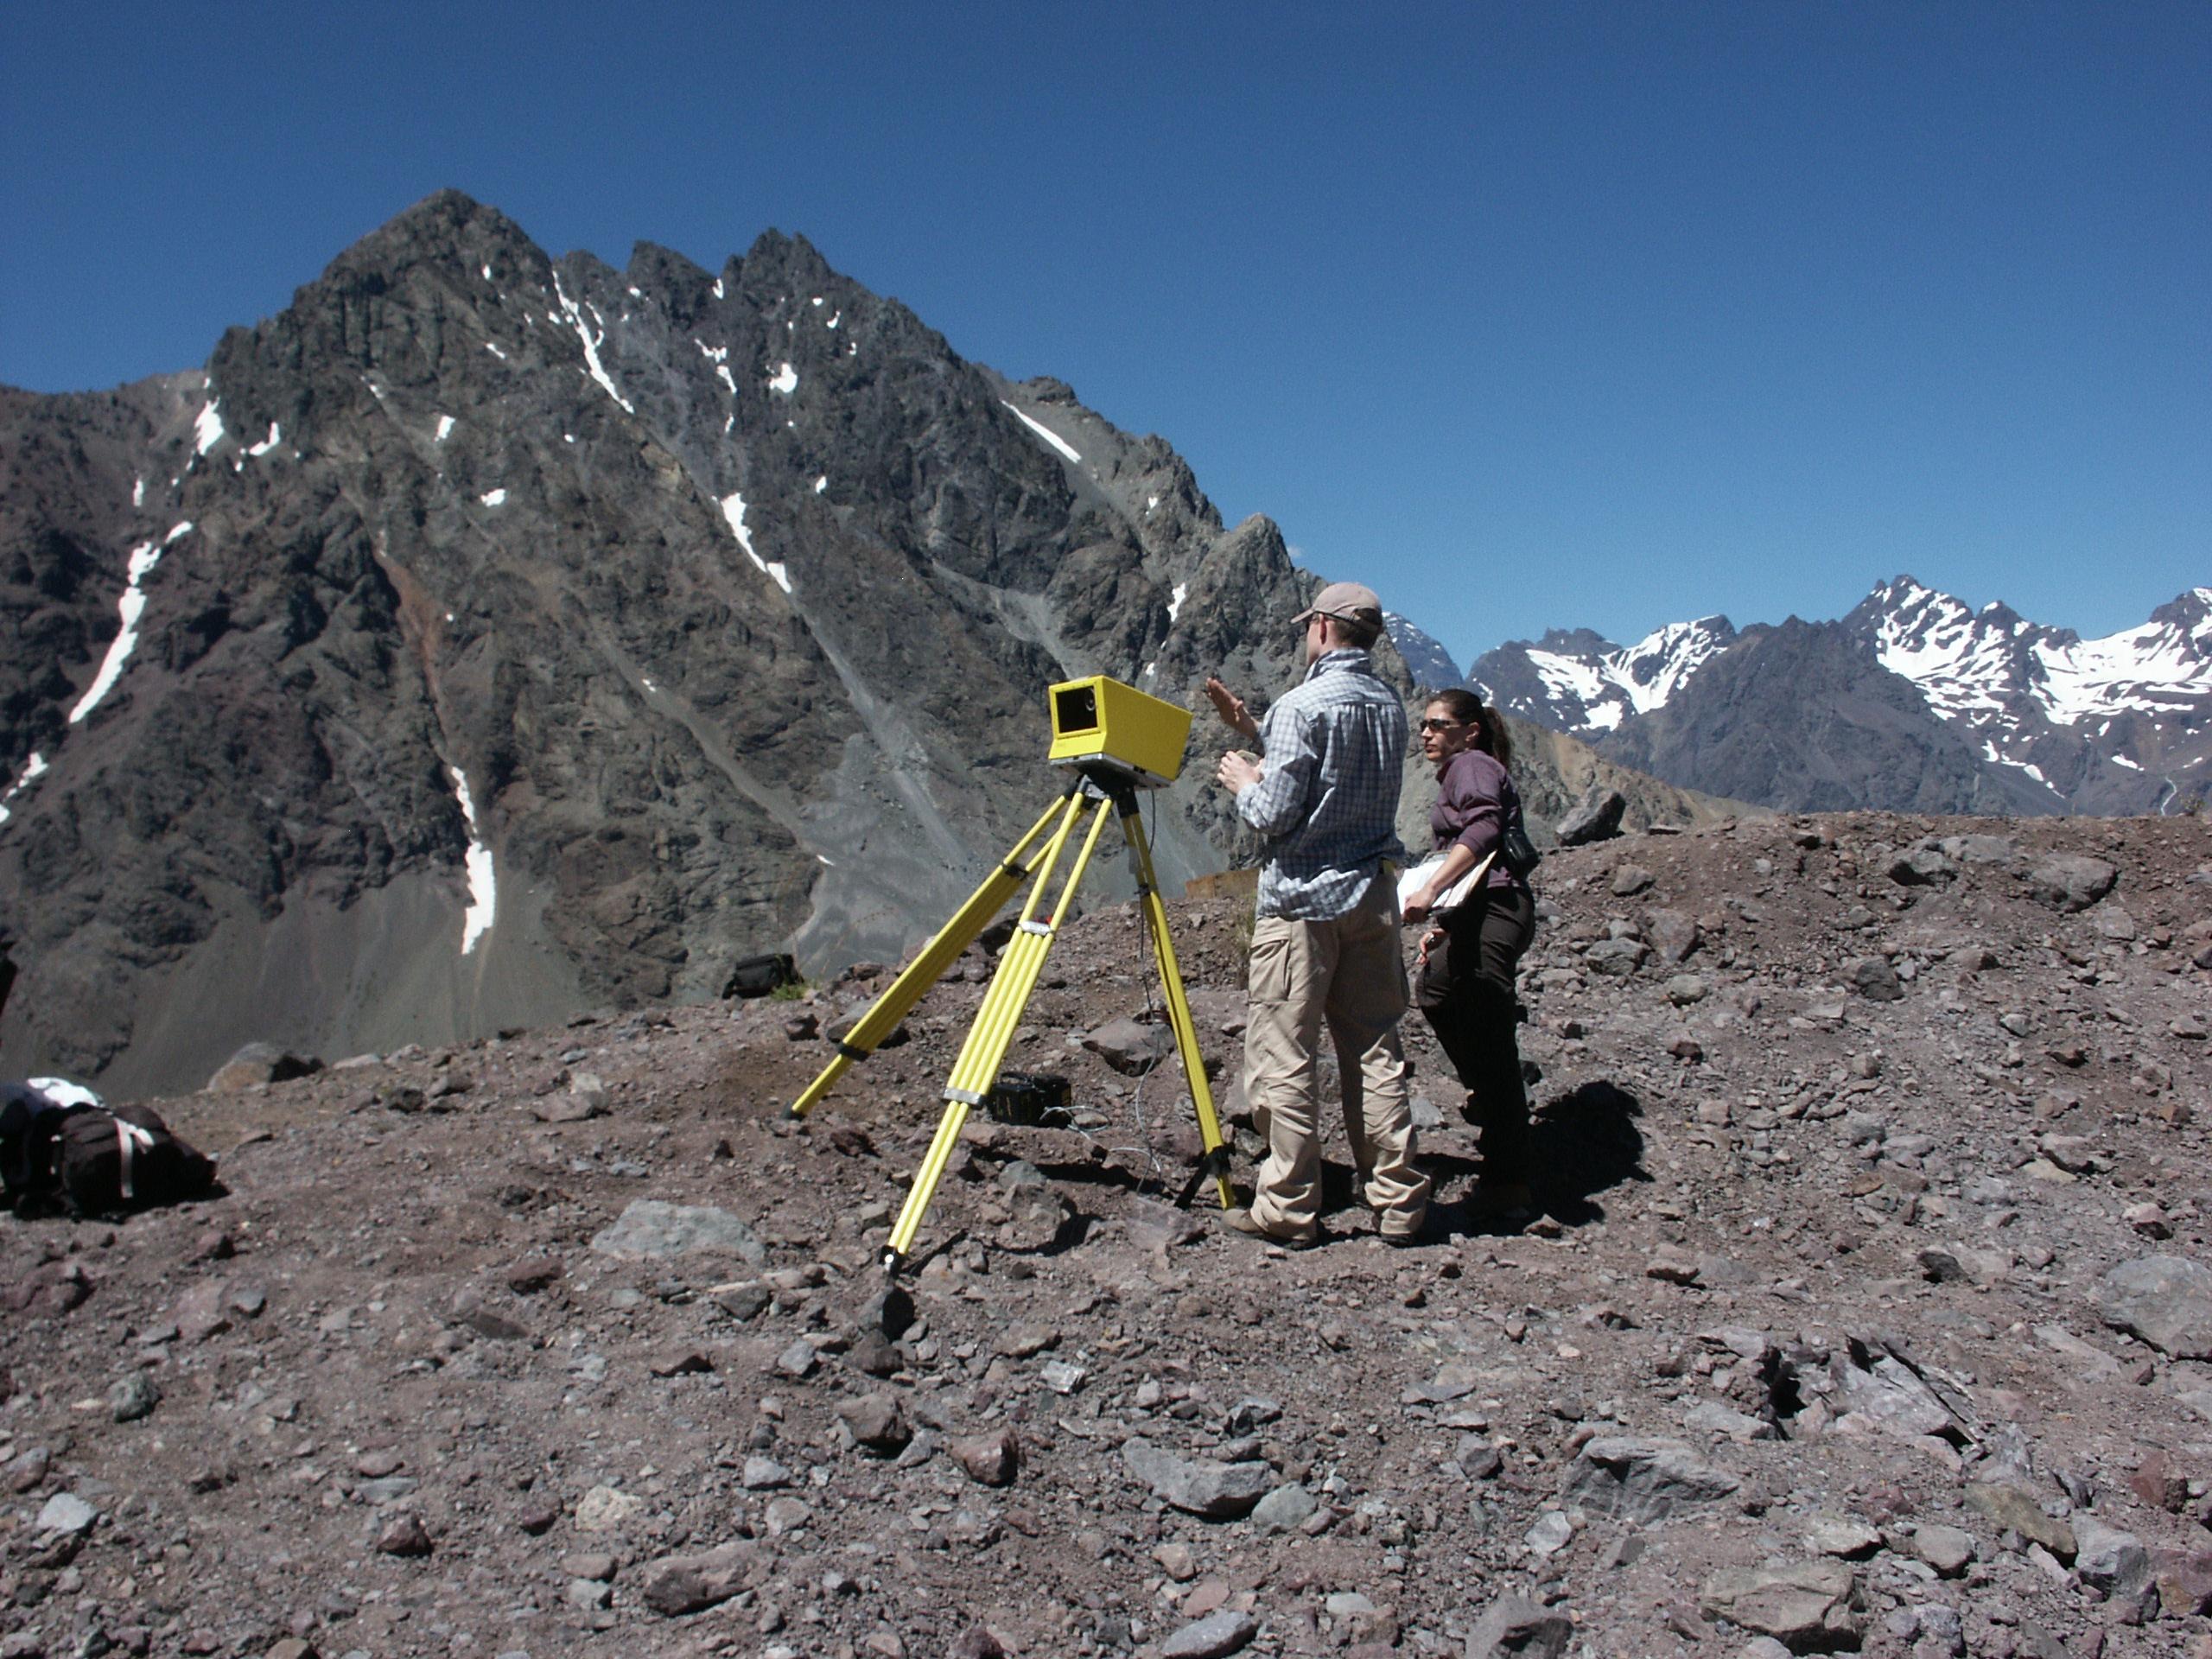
<point>1231,709</point>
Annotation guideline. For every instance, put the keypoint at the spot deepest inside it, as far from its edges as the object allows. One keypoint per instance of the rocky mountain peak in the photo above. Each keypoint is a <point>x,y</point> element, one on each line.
<point>1583,684</point>
<point>591,628</point>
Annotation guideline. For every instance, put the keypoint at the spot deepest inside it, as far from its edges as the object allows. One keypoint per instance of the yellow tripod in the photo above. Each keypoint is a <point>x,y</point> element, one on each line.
<point>1095,791</point>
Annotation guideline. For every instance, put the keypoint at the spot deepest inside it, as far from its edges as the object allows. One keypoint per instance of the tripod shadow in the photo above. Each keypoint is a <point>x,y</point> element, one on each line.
<point>1582,1145</point>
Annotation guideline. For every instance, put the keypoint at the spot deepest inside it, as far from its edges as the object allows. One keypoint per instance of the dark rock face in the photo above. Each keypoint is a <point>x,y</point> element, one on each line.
<point>731,597</point>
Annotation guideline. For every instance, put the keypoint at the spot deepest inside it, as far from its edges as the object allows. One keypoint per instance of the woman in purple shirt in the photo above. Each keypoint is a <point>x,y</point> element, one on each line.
<point>1469,955</point>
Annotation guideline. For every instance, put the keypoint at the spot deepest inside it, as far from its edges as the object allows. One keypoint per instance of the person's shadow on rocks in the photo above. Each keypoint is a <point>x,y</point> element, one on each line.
<point>1581,1145</point>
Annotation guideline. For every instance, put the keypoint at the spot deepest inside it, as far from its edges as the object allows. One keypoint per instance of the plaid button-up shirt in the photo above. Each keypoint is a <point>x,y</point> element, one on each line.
<point>1328,798</point>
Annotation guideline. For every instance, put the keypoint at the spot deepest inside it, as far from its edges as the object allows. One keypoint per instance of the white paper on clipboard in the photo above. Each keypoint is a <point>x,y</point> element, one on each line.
<point>1453,896</point>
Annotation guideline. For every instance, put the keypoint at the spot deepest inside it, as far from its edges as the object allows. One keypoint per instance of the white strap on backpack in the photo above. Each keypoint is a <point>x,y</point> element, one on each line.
<point>131,1140</point>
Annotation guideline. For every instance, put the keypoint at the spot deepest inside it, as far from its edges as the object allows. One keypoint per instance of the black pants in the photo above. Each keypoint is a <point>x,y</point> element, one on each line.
<point>1466,991</point>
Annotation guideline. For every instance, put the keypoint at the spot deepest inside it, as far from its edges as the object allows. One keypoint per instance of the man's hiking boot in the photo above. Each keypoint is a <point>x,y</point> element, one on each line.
<point>1245,1223</point>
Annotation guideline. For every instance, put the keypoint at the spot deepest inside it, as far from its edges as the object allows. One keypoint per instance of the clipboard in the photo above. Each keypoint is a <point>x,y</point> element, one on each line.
<point>1453,896</point>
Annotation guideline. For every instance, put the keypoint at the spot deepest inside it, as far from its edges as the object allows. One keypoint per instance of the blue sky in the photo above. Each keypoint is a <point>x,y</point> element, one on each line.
<point>1531,316</point>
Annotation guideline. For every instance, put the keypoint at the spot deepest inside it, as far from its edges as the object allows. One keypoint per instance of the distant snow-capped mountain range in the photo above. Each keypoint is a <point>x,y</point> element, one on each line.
<point>1915,700</point>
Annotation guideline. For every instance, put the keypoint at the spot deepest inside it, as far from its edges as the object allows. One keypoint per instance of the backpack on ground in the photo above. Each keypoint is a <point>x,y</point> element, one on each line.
<point>76,1157</point>
<point>761,975</point>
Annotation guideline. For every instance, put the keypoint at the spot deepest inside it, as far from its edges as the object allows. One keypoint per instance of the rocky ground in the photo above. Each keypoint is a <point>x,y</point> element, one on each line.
<point>1870,1311</point>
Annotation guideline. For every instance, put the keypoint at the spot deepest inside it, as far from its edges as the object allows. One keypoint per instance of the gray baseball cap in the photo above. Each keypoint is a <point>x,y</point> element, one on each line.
<point>1348,601</point>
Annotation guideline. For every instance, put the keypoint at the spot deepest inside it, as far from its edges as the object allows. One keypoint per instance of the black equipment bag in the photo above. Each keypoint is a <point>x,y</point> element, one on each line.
<point>30,1124</point>
<point>758,976</point>
<point>84,1161</point>
<point>1027,1097</point>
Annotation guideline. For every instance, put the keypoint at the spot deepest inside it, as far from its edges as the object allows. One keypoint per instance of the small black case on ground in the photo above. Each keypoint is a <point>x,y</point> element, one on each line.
<point>1025,1097</point>
<point>759,975</point>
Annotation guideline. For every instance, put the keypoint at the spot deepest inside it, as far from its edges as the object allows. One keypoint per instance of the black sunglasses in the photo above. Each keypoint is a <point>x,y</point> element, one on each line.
<point>1433,724</point>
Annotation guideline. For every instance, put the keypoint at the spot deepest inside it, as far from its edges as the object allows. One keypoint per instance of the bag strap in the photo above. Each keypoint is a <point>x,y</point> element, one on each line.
<point>129,1141</point>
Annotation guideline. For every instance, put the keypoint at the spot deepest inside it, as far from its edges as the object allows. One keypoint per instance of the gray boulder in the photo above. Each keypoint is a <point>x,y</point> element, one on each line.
<point>1513,1627</point>
<point>1805,1606</point>
<point>2010,1507</point>
<point>1922,867</point>
<point>260,1063</point>
<point>1131,1047</point>
<point>1873,978</point>
<point>1673,935</point>
<point>66,1512</point>
<point>1978,850</point>
<point>1220,1491</point>
<point>1284,1508</point>
<point>1615,958</point>
<point>1598,818</point>
<point>1218,1635</point>
<point>2113,1561</point>
<point>2165,1300</point>
<point>676,1585</point>
<point>1644,1481</point>
<point>2071,880</point>
<point>878,1422</point>
<point>650,1229</point>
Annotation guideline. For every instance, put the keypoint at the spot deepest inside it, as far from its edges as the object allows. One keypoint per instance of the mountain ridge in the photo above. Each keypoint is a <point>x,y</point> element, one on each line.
<point>2048,722</point>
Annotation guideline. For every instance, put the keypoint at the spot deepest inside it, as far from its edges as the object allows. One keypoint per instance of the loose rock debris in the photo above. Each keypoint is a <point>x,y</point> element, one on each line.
<point>1865,1312</point>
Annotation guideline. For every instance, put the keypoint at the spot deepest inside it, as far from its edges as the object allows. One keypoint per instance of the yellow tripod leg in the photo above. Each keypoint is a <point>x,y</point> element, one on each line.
<point>977,1068</point>
<point>1216,1157</point>
<point>970,920</point>
<point>926,1183</point>
<point>981,1056</point>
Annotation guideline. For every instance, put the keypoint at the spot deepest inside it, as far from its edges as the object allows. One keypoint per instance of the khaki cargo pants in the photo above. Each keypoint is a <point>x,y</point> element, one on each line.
<point>1348,972</point>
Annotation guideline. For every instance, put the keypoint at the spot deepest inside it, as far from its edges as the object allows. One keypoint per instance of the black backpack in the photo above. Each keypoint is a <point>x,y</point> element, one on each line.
<point>761,975</point>
<point>81,1160</point>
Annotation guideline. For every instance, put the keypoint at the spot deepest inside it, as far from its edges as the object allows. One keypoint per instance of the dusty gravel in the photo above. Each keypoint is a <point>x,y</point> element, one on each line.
<point>1844,1125</point>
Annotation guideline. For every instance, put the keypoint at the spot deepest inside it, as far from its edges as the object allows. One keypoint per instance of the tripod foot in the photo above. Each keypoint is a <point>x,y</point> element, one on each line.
<point>890,1312</point>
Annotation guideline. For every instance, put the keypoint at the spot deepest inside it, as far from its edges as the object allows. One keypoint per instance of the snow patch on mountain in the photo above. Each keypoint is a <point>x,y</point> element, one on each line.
<point>1046,433</point>
<point>1595,686</point>
<point>483,886</point>
<point>732,507</point>
<point>33,769</point>
<point>1568,677</point>
<point>1993,665</point>
<point>591,342</point>
<point>132,605</point>
<point>2161,667</point>
<point>1651,671</point>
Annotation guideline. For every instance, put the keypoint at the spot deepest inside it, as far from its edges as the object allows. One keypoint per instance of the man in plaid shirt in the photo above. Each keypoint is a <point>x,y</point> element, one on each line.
<point>1325,935</point>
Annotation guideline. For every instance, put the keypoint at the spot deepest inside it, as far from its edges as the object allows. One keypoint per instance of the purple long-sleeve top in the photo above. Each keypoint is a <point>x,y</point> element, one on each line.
<point>1475,800</point>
